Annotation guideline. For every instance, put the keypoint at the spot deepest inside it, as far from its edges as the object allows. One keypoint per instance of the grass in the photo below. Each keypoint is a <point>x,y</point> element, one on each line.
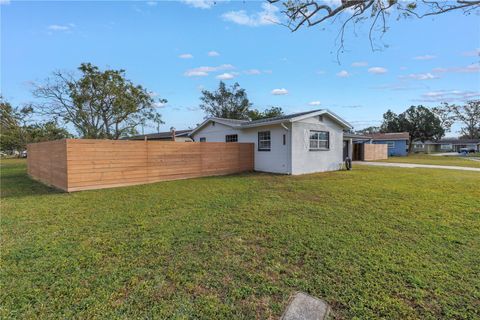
<point>419,158</point>
<point>387,243</point>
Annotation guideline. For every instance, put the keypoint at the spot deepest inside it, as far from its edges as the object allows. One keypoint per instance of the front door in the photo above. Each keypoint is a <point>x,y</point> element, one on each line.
<point>345,149</point>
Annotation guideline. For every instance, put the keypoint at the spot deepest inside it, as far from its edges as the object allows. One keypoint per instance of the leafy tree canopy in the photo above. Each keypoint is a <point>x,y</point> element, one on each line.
<point>226,102</point>
<point>267,113</point>
<point>17,130</point>
<point>469,116</point>
<point>99,104</point>
<point>419,121</point>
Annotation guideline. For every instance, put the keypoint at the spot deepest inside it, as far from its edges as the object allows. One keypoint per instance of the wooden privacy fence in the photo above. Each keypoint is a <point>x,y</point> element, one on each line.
<point>375,152</point>
<point>83,164</point>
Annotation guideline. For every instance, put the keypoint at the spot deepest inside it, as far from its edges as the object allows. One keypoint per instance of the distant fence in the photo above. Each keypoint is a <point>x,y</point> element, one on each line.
<point>375,152</point>
<point>83,164</point>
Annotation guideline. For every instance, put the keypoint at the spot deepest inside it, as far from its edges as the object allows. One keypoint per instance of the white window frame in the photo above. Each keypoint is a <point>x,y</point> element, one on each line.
<point>315,140</point>
<point>262,138</point>
<point>391,144</point>
<point>446,146</point>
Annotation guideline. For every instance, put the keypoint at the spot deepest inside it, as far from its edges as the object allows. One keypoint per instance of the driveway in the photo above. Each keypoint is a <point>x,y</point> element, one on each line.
<point>445,154</point>
<point>412,165</point>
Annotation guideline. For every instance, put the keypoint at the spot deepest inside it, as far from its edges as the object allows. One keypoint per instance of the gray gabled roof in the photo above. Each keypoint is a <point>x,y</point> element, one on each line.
<point>159,135</point>
<point>241,124</point>
<point>284,117</point>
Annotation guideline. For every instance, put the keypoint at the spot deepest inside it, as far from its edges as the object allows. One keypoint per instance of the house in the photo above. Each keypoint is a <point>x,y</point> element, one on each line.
<point>446,145</point>
<point>298,143</point>
<point>180,136</point>
<point>397,142</point>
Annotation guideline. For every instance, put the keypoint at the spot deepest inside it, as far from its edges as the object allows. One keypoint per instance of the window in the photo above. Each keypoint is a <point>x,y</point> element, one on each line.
<point>264,141</point>
<point>320,118</point>
<point>391,144</point>
<point>203,139</point>
<point>213,123</point>
<point>284,139</point>
<point>419,146</point>
<point>446,147</point>
<point>319,140</point>
<point>231,138</point>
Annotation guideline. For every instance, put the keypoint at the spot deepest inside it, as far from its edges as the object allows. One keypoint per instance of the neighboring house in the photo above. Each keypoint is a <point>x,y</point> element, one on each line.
<point>446,145</point>
<point>299,143</point>
<point>397,142</point>
<point>180,136</point>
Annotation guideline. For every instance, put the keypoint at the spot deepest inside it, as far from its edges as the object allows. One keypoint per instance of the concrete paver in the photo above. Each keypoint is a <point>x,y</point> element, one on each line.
<point>306,307</point>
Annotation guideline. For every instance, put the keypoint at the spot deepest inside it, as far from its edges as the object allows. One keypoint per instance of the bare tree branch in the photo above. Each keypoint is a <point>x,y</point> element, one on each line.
<point>309,13</point>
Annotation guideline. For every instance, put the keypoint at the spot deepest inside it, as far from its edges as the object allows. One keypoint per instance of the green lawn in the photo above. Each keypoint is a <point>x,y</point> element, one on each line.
<point>420,158</point>
<point>387,243</point>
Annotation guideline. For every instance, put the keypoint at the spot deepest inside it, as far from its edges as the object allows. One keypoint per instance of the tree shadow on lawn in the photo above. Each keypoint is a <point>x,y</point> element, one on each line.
<point>18,184</point>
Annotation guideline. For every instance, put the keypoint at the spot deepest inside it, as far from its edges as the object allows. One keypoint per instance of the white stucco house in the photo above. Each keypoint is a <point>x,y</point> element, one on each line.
<point>298,143</point>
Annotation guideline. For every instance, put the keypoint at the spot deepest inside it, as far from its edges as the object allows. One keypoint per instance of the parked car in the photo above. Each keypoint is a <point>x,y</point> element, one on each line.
<point>23,154</point>
<point>467,150</point>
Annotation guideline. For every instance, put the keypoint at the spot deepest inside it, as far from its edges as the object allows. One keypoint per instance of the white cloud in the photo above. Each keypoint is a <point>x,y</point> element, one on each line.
<point>314,103</point>
<point>448,96</point>
<point>185,56</point>
<point>424,57</point>
<point>253,71</point>
<point>343,74</point>
<point>475,67</point>
<point>473,53</point>
<point>58,27</point>
<point>204,71</point>
<point>279,92</point>
<point>195,73</point>
<point>225,76</point>
<point>420,76</point>
<point>213,54</point>
<point>152,3</point>
<point>377,70</point>
<point>201,4</point>
<point>360,64</point>
<point>159,104</point>
<point>267,16</point>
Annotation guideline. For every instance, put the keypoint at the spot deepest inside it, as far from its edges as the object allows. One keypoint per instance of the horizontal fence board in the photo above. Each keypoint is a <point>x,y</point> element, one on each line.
<point>84,164</point>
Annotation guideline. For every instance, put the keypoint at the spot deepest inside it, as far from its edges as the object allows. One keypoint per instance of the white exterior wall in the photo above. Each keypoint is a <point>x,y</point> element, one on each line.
<point>277,160</point>
<point>215,133</point>
<point>292,158</point>
<point>306,161</point>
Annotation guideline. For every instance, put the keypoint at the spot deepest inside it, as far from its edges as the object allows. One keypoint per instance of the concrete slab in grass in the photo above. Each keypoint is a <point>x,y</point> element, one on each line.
<point>305,307</point>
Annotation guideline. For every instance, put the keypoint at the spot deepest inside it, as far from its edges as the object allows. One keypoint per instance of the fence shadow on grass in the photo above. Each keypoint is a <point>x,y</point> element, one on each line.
<point>17,184</point>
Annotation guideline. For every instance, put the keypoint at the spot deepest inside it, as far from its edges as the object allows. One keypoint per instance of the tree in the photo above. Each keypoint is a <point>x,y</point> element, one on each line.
<point>444,112</point>
<point>469,116</point>
<point>17,132</point>
<point>368,130</point>
<point>99,104</point>
<point>267,113</point>
<point>230,103</point>
<point>421,123</point>
<point>308,13</point>
<point>13,123</point>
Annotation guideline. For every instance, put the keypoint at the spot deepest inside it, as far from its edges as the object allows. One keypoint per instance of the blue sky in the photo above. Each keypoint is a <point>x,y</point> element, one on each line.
<point>175,49</point>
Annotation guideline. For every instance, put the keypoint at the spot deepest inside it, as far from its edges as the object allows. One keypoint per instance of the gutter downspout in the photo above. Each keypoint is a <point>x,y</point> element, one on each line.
<point>289,152</point>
